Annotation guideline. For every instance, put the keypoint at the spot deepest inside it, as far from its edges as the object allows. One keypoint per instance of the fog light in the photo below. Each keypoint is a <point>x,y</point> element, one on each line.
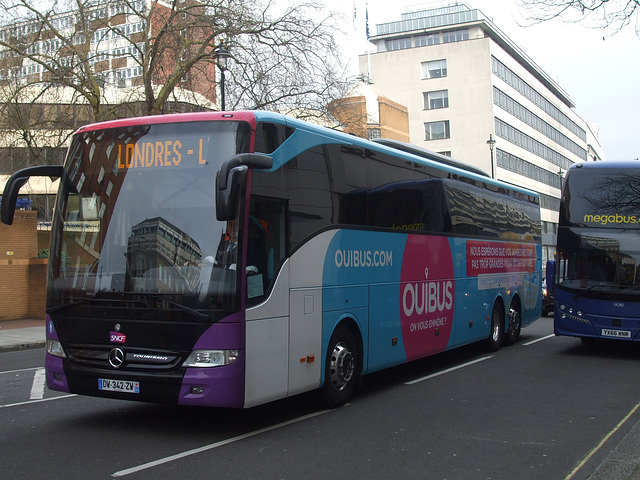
<point>196,390</point>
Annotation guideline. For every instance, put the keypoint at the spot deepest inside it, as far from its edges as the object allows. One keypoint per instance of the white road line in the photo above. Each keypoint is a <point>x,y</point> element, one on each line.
<point>211,446</point>
<point>19,404</point>
<point>538,340</point>
<point>448,370</point>
<point>21,370</point>
<point>37,389</point>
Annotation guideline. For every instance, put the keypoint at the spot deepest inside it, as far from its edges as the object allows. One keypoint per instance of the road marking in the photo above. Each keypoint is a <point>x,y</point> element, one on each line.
<point>37,389</point>
<point>538,340</point>
<point>21,370</point>
<point>211,446</point>
<point>602,442</point>
<point>19,404</point>
<point>448,370</point>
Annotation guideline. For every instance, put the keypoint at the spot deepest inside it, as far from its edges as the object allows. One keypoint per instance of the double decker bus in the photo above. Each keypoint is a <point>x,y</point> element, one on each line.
<point>234,258</point>
<point>596,272</point>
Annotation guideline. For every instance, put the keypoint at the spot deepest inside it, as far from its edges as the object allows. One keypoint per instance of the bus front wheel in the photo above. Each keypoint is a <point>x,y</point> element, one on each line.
<point>341,370</point>
<point>497,328</point>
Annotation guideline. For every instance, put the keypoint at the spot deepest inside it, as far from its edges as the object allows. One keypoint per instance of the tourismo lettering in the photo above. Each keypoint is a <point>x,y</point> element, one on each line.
<point>363,258</point>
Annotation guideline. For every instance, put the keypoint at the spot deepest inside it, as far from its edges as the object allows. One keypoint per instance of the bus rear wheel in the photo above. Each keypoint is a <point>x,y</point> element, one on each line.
<point>515,324</point>
<point>497,328</point>
<point>341,370</point>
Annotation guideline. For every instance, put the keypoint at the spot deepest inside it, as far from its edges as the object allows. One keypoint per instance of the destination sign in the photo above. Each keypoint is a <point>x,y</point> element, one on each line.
<point>162,153</point>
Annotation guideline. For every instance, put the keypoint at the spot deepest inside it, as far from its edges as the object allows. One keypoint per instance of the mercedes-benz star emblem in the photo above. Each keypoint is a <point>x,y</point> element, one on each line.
<point>116,357</point>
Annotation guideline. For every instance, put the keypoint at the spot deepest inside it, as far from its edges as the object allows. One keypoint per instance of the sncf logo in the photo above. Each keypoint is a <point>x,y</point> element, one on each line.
<point>117,337</point>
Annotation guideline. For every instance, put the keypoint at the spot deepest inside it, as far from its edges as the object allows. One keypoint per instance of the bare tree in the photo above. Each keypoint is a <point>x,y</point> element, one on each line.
<point>289,63</point>
<point>284,56</point>
<point>614,14</point>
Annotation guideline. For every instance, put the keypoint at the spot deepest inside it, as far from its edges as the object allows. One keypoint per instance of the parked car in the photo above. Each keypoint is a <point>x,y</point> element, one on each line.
<point>547,300</point>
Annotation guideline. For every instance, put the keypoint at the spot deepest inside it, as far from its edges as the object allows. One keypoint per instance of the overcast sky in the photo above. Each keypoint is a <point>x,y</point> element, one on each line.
<point>599,70</point>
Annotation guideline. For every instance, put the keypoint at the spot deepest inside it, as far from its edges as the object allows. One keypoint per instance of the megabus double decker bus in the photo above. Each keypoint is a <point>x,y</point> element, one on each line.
<point>597,267</point>
<point>234,258</point>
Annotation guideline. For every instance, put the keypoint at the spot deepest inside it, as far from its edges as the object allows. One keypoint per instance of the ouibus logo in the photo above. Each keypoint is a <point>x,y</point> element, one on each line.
<point>427,297</point>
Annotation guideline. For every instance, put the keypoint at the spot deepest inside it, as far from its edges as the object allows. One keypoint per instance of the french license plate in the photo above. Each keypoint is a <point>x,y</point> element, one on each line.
<point>616,333</point>
<point>125,386</point>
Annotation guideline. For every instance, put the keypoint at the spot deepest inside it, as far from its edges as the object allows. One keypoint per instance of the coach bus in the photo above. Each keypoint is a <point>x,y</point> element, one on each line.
<point>596,273</point>
<point>232,259</point>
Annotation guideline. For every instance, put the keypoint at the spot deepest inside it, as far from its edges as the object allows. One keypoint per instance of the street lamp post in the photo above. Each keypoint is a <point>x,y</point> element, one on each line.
<point>221,55</point>
<point>491,142</point>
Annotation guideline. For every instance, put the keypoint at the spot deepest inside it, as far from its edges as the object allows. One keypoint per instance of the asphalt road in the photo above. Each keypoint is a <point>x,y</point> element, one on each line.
<point>546,408</point>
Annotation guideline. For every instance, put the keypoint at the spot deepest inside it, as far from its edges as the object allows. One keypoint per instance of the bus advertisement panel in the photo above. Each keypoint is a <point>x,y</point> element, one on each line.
<point>597,271</point>
<point>234,259</point>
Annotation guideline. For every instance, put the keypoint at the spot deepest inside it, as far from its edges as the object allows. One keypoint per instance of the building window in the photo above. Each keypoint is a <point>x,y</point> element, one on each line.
<point>374,133</point>
<point>434,69</point>
<point>398,43</point>
<point>436,130</point>
<point>436,99</point>
<point>455,35</point>
<point>427,40</point>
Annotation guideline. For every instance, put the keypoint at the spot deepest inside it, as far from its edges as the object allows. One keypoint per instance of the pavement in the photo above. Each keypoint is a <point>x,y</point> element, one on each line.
<point>22,334</point>
<point>622,463</point>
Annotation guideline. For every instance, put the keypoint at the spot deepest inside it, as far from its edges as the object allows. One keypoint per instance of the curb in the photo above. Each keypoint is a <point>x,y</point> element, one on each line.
<point>23,346</point>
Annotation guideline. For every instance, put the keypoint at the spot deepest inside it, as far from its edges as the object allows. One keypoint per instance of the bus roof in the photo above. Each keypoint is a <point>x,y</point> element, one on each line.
<point>624,164</point>
<point>323,135</point>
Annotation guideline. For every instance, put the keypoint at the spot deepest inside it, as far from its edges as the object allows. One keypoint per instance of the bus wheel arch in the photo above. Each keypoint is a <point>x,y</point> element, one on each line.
<point>497,324</point>
<point>343,364</point>
<point>514,324</point>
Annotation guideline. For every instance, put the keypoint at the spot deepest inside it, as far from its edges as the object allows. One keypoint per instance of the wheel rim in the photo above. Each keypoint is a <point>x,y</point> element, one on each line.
<point>341,367</point>
<point>495,334</point>
<point>515,320</point>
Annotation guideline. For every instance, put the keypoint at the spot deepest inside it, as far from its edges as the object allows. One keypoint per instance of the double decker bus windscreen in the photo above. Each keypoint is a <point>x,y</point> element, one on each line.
<point>599,232</point>
<point>135,218</point>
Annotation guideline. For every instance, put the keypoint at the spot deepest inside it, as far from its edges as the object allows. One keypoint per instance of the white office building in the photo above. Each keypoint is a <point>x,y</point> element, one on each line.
<point>472,94</point>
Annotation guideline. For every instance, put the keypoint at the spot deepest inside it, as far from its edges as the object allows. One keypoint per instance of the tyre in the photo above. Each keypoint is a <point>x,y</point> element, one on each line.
<point>341,369</point>
<point>515,324</point>
<point>497,328</point>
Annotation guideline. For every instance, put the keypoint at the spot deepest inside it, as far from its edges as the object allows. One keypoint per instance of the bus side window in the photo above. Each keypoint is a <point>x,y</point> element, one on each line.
<point>266,244</point>
<point>269,136</point>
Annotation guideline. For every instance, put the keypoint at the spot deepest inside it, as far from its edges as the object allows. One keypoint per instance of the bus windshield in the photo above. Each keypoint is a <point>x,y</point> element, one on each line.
<point>135,218</point>
<point>599,235</point>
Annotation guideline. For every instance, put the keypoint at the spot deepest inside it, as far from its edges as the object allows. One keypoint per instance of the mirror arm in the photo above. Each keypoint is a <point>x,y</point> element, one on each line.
<point>17,181</point>
<point>253,160</point>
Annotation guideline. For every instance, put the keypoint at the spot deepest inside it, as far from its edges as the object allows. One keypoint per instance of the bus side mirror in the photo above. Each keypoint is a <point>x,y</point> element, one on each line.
<point>228,198</point>
<point>17,181</point>
<point>551,275</point>
<point>230,179</point>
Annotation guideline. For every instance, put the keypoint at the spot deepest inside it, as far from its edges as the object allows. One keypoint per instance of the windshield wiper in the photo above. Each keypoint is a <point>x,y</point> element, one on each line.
<point>74,303</point>
<point>180,306</point>
<point>85,301</point>
<point>585,291</point>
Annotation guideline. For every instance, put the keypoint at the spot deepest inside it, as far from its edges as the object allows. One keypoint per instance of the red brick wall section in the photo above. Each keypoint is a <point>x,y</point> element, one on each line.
<point>23,276</point>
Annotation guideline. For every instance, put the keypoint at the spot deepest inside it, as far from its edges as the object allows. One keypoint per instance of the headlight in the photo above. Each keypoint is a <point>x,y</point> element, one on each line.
<point>55,348</point>
<point>210,358</point>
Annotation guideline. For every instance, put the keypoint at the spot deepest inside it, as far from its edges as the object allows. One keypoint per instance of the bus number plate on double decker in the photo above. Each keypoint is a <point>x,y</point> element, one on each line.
<point>606,332</point>
<point>125,386</point>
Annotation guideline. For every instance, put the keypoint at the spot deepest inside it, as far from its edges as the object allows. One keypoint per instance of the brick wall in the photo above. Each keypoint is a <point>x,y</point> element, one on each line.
<point>23,276</point>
